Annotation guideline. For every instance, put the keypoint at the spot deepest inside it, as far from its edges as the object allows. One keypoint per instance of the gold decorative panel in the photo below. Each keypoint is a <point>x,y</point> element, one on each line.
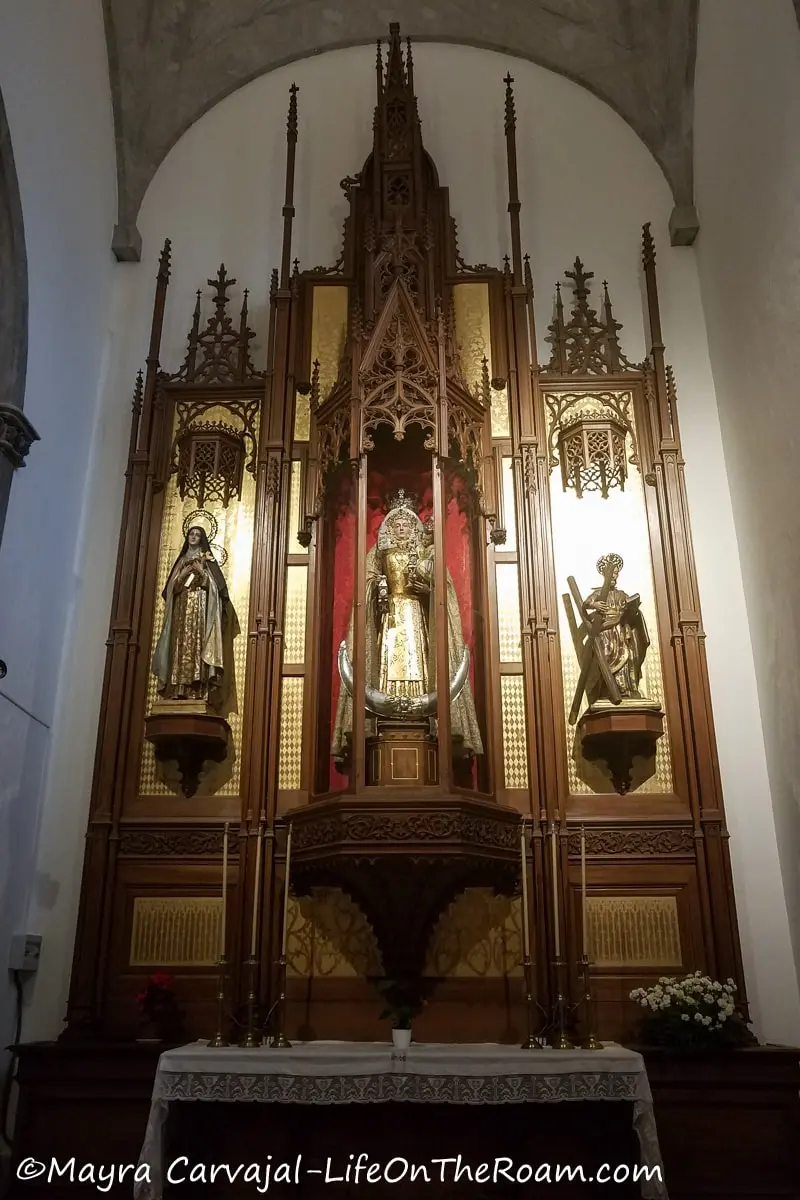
<point>291,732</point>
<point>328,936</point>
<point>508,612</point>
<point>294,637</point>
<point>633,931</point>
<point>479,935</point>
<point>515,759</point>
<point>473,332</point>
<point>292,545</point>
<point>176,931</point>
<point>302,417</point>
<point>235,538</point>
<point>584,528</point>
<point>328,334</point>
<point>510,506</point>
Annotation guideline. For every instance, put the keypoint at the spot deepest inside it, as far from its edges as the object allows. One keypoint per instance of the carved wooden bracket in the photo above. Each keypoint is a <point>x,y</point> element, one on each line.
<point>17,435</point>
<point>189,739</point>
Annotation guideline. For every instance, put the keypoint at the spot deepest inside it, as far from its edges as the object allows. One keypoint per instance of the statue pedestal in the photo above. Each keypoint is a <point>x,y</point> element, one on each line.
<point>402,754</point>
<point>617,733</point>
<point>189,733</point>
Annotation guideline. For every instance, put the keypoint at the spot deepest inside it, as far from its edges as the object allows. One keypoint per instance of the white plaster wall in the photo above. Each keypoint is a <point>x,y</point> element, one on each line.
<point>54,79</point>
<point>587,186</point>
<point>747,114</point>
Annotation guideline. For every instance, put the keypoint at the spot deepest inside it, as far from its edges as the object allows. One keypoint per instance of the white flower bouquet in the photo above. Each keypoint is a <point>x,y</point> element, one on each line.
<point>693,1013</point>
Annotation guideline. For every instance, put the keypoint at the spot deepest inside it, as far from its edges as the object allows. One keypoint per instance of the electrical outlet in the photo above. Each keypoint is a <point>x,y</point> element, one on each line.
<point>24,952</point>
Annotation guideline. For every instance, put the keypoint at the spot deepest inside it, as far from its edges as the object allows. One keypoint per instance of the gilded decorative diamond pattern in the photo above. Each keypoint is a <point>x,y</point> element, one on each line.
<point>515,759</point>
<point>294,643</point>
<point>291,733</point>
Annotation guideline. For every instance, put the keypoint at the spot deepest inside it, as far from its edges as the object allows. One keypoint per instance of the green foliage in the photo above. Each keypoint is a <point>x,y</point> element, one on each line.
<point>403,998</point>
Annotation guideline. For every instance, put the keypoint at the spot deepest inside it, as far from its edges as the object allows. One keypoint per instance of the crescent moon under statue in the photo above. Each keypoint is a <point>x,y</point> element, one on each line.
<point>410,708</point>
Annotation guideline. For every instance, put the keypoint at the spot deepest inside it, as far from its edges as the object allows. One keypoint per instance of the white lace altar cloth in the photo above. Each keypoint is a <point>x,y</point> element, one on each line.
<point>373,1073</point>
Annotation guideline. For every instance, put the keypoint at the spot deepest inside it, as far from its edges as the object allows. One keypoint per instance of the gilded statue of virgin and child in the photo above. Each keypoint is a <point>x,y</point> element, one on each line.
<point>193,659</point>
<point>400,641</point>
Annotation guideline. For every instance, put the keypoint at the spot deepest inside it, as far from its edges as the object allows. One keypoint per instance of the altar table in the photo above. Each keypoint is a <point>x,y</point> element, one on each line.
<point>327,1073</point>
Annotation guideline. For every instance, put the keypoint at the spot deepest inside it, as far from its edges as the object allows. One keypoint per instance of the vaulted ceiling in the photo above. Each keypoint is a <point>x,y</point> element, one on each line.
<point>172,60</point>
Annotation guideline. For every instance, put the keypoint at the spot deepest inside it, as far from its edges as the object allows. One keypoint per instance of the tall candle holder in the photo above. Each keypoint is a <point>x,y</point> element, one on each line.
<point>280,1040</point>
<point>218,1039</point>
<point>531,1042</point>
<point>561,1011</point>
<point>590,1042</point>
<point>253,1036</point>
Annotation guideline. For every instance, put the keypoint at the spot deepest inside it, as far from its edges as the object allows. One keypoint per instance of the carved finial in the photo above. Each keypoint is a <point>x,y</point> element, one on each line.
<point>164,261</point>
<point>296,267</point>
<point>528,274</point>
<point>315,384</point>
<point>220,286</point>
<point>291,120</point>
<point>379,66</point>
<point>273,282</point>
<point>486,387</point>
<point>138,393</point>
<point>409,65</point>
<point>648,247</point>
<point>511,114</point>
<point>395,75</point>
<point>506,265</point>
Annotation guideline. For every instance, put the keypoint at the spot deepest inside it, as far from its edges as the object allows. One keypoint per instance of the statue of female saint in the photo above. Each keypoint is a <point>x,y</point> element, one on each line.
<point>400,642</point>
<point>193,649</point>
<point>622,637</point>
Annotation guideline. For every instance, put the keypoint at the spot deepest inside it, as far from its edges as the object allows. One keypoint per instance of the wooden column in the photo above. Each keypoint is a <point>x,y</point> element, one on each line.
<point>688,648</point>
<point>91,945</point>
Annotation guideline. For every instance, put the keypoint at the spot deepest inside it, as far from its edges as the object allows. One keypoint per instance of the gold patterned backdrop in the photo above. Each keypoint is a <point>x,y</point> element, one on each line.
<point>235,536</point>
<point>478,936</point>
<point>473,333</point>
<point>583,529</point>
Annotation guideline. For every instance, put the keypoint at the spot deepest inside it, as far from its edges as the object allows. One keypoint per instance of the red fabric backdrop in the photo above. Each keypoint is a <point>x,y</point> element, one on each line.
<point>391,467</point>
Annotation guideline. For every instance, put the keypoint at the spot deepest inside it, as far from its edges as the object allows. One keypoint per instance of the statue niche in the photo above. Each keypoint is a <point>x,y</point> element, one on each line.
<point>611,642</point>
<point>400,658</point>
<point>193,663</point>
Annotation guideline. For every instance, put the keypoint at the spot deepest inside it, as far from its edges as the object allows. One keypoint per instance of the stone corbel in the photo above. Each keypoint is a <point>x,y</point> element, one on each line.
<point>17,435</point>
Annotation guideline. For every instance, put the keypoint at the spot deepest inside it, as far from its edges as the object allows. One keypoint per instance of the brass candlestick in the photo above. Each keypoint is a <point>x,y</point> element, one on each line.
<point>560,1038</point>
<point>590,1042</point>
<point>280,1041</point>
<point>252,1037</point>
<point>218,1040</point>
<point>530,1042</point>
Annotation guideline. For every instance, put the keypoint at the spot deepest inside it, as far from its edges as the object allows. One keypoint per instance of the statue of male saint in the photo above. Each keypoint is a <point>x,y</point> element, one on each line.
<point>622,637</point>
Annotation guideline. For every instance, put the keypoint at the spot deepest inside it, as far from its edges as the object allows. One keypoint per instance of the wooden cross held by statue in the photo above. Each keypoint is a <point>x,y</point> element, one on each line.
<point>591,649</point>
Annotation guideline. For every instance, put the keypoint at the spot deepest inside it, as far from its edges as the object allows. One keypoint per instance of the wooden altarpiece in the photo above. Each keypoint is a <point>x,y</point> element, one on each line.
<point>400,354</point>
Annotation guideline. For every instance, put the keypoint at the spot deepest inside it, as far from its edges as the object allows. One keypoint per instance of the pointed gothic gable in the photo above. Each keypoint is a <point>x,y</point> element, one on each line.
<point>399,373</point>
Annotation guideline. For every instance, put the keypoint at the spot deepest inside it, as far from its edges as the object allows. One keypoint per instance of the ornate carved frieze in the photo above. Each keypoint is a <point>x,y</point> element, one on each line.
<point>642,842</point>
<point>387,827</point>
<point>174,843</point>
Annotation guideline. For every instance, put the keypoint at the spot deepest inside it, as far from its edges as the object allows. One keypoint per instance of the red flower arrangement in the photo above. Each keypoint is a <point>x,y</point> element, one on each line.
<point>158,1005</point>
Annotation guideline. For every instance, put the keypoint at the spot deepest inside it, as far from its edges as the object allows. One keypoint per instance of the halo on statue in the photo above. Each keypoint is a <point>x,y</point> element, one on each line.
<point>203,519</point>
<point>220,553</point>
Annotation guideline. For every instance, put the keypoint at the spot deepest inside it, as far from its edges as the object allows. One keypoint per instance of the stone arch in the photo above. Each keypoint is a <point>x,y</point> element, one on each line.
<point>175,66</point>
<point>16,434</point>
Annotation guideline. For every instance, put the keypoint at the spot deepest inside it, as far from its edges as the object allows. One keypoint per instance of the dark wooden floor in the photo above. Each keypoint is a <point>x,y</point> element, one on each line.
<point>728,1127</point>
